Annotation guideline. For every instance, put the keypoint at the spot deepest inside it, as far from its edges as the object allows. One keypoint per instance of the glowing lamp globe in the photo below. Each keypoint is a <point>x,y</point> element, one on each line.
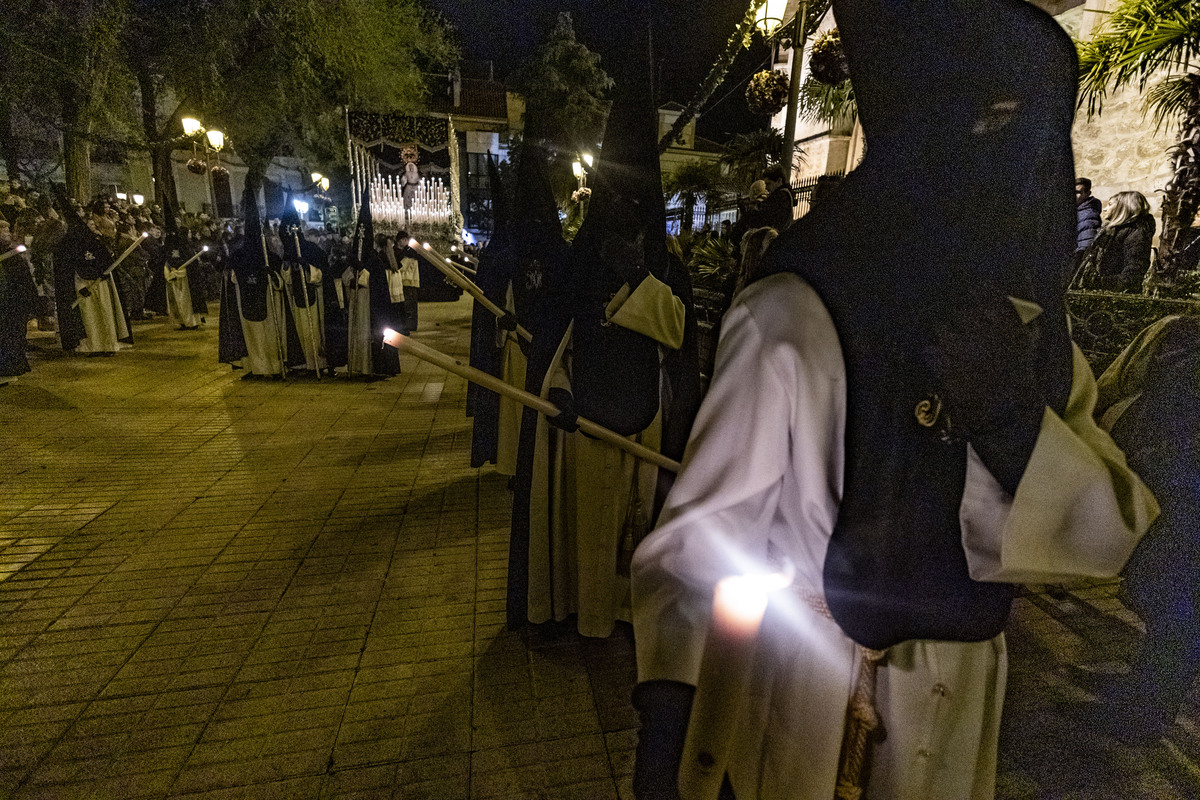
<point>770,17</point>
<point>191,126</point>
<point>216,139</point>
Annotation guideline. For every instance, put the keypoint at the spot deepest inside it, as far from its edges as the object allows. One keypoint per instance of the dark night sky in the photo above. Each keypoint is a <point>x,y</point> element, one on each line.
<point>689,37</point>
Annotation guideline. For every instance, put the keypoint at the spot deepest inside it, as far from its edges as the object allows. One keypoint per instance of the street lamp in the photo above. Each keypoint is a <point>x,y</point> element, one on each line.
<point>770,17</point>
<point>213,140</point>
<point>580,171</point>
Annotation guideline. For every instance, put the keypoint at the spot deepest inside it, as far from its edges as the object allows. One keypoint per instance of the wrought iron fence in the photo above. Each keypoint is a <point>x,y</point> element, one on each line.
<point>804,190</point>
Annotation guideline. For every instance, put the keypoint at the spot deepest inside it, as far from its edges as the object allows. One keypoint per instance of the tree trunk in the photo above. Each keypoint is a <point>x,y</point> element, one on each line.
<point>77,165</point>
<point>163,169</point>
<point>76,144</point>
<point>689,213</point>
<point>1181,199</point>
<point>165,193</point>
<point>10,148</point>
<point>256,171</point>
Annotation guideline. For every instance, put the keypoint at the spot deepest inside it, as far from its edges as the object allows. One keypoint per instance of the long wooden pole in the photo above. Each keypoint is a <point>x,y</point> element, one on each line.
<point>113,266</point>
<point>453,365</point>
<point>201,252</point>
<point>18,249</point>
<point>463,282</point>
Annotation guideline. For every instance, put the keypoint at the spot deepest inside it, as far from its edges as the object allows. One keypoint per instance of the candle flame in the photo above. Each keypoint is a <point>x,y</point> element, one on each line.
<point>427,246</point>
<point>741,599</point>
<point>412,242</point>
<point>778,580</point>
<point>21,248</point>
<point>391,337</point>
<point>145,234</point>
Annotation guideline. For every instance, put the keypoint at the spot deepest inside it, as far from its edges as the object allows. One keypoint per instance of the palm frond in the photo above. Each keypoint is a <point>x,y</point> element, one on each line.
<point>1172,98</point>
<point>747,155</point>
<point>820,102</point>
<point>1139,39</point>
<point>712,261</point>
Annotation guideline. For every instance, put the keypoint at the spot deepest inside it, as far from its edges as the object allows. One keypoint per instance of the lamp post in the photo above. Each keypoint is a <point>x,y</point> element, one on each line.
<point>214,141</point>
<point>769,22</point>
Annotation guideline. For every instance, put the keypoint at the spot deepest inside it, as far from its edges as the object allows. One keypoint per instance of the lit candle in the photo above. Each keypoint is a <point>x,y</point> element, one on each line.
<point>391,337</point>
<point>739,603</point>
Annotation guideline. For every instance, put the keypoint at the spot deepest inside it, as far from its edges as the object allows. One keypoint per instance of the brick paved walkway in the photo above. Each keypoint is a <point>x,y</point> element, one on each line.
<point>252,589</point>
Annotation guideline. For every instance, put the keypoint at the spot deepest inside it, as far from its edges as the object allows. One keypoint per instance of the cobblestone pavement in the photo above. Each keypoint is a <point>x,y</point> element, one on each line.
<point>251,589</point>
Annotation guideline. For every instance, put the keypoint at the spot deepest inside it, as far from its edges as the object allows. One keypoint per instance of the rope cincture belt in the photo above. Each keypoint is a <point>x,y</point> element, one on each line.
<point>862,717</point>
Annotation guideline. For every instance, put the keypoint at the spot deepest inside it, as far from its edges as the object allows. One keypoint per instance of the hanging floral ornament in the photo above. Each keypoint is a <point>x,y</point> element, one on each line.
<point>828,60</point>
<point>196,166</point>
<point>220,171</point>
<point>767,92</point>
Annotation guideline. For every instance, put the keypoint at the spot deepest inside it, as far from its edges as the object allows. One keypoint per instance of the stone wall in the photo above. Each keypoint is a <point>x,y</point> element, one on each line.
<point>1119,149</point>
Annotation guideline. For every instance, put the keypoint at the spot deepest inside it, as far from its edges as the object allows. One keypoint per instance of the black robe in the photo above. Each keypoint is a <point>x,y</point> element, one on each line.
<point>337,320</point>
<point>18,296</point>
<point>547,284</point>
<point>384,314</point>
<point>79,252</point>
<point>231,341</point>
<point>495,271</point>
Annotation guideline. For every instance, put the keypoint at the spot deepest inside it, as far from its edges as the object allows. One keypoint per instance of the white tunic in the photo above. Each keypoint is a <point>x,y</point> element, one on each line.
<point>265,345</point>
<point>512,371</point>
<point>762,479</point>
<point>358,300</point>
<point>179,297</point>
<point>103,318</point>
<point>309,318</point>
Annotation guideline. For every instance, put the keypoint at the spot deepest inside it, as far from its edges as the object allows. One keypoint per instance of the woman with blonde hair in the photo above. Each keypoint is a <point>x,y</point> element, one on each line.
<point>1123,247</point>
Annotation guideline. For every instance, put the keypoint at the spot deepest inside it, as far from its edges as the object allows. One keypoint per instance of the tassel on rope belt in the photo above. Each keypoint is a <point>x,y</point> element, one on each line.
<point>862,717</point>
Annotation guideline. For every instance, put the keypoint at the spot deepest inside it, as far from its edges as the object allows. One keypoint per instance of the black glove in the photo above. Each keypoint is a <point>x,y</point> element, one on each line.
<point>508,322</point>
<point>567,419</point>
<point>986,359</point>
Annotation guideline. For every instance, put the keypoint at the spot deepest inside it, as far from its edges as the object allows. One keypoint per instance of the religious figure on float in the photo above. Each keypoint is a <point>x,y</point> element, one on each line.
<point>412,176</point>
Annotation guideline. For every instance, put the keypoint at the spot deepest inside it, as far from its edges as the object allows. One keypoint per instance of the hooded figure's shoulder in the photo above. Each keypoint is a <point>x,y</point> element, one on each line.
<point>786,314</point>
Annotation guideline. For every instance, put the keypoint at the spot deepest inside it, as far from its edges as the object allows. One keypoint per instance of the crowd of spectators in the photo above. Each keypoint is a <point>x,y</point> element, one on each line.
<point>31,218</point>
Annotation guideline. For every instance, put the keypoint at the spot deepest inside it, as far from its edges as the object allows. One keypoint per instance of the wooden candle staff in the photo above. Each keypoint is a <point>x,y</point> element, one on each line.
<point>450,364</point>
<point>463,282</point>
<point>203,250</point>
<point>18,249</point>
<point>128,251</point>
